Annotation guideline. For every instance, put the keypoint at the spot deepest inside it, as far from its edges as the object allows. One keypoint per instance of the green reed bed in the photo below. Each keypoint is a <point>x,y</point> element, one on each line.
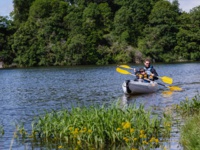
<point>190,131</point>
<point>1,131</point>
<point>189,107</point>
<point>100,127</point>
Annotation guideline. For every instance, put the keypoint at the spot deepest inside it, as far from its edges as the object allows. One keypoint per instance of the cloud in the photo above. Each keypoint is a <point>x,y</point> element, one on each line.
<point>187,5</point>
<point>6,7</point>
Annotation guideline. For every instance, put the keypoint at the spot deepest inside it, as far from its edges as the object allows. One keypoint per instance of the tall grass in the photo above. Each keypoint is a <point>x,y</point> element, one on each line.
<point>101,127</point>
<point>1,131</point>
<point>189,107</point>
<point>190,131</point>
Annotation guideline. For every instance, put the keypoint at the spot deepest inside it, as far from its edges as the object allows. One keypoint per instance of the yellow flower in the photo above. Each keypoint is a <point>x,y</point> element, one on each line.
<point>59,147</point>
<point>141,131</point>
<point>156,140</point>
<point>145,142</point>
<point>126,139</point>
<point>79,142</point>
<point>70,128</point>
<point>83,130</point>
<point>89,131</point>
<point>134,149</point>
<point>118,129</point>
<point>126,125</point>
<point>131,130</point>
<point>135,139</point>
<point>152,139</point>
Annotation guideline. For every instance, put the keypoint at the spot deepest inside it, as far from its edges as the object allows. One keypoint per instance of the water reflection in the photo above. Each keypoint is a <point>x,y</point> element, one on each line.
<point>167,93</point>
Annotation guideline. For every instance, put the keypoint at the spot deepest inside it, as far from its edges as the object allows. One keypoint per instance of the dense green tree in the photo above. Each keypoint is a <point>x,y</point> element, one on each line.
<point>21,10</point>
<point>34,42</point>
<point>6,35</point>
<point>188,40</point>
<point>160,34</point>
<point>75,32</point>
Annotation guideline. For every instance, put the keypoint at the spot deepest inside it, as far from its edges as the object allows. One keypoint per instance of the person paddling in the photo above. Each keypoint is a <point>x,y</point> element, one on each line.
<point>150,70</point>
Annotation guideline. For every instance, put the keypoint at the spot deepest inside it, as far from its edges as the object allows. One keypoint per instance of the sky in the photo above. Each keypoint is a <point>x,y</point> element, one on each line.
<point>6,6</point>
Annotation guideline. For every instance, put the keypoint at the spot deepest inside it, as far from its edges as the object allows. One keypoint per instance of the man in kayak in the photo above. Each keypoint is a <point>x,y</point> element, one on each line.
<point>150,70</point>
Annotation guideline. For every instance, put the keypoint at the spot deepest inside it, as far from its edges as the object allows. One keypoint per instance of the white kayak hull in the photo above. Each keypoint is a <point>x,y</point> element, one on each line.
<point>135,87</point>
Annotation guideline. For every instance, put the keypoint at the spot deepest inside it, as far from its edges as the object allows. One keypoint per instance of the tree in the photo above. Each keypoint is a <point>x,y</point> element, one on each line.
<point>160,34</point>
<point>6,35</point>
<point>188,40</point>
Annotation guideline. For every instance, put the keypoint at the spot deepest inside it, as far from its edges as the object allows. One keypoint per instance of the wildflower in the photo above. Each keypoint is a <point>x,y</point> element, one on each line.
<point>83,130</point>
<point>89,131</point>
<point>156,140</point>
<point>131,130</point>
<point>126,125</point>
<point>79,142</point>
<point>118,129</point>
<point>141,131</point>
<point>145,142</point>
<point>135,139</point>
<point>70,128</point>
<point>59,147</point>
<point>134,149</point>
<point>143,135</point>
<point>125,139</point>
<point>152,139</point>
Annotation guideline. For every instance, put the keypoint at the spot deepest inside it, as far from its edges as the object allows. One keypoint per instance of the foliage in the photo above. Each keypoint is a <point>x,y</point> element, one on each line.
<point>160,35</point>
<point>189,109</point>
<point>190,137</point>
<point>100,127</point>
<point>79,32</point>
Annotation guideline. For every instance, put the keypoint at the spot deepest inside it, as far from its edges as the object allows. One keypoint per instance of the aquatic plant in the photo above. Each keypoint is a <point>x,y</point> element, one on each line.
<point>190,136</point>
<point>1,131</point>
<point>101,127</point>
<point>189,107</point>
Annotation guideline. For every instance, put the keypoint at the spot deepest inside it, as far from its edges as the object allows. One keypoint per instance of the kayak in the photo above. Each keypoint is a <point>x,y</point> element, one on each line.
<point>138,87</point>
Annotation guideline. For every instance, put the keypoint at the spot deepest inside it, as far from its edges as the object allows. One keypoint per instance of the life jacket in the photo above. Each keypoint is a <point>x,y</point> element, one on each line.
<point>148,70</point>
<point>143,76</point>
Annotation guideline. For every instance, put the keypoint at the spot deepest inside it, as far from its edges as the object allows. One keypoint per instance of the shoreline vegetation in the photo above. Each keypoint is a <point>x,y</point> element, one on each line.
<point>67,33</point>
<point>100,127</point>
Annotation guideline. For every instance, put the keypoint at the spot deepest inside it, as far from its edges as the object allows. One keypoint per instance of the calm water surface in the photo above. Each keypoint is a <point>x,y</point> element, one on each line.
<point>28,92</point>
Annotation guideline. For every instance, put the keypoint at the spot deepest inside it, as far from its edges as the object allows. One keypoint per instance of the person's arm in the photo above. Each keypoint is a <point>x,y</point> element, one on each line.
<point>154,72</point>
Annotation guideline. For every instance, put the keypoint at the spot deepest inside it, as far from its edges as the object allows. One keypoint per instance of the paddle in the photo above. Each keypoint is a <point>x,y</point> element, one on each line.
<point>124,71</point>
<point>172,88</point>
<point>128,73</point>
<point>165,79</point>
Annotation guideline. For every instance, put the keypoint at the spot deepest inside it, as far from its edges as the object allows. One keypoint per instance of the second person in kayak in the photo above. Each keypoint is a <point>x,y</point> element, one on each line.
<point>142,76</point>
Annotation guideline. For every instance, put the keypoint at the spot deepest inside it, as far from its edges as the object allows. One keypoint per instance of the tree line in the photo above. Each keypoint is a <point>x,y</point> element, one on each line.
<point>81,32</point>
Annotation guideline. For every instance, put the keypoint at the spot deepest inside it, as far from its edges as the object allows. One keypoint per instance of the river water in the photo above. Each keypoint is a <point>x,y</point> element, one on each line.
<point>27,92</point>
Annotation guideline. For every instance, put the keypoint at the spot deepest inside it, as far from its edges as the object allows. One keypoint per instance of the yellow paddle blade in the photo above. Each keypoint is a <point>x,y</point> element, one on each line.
<point>122,71</point>
<point>175,88</point>
<point>166,79</point>
<point>125,66</point>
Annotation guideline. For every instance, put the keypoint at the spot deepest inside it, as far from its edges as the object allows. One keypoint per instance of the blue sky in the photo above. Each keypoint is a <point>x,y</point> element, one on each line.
<point>6,6</point>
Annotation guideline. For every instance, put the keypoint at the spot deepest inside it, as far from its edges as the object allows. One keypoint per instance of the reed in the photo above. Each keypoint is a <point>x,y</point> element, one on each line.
<point>101,127</point>
<point>1,131</point>
<point>190,112</point>
<point>190,135</point>
<point>189,107</point>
